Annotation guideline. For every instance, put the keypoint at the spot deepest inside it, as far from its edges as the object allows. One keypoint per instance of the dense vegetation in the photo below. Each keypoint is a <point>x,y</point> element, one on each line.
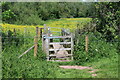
<point>108,20</point>
<point>103,32</point>
<point>32,13</point>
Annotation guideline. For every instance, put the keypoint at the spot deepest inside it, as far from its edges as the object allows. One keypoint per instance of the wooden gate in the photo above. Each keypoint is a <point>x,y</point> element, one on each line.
<point>57,47</point>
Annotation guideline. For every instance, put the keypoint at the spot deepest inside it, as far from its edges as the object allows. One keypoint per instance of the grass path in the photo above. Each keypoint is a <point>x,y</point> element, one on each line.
<point>104,68</point>
<point>91,70</point>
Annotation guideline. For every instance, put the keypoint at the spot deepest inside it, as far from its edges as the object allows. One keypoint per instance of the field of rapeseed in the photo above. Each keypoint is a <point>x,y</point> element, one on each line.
<point>70,23</point>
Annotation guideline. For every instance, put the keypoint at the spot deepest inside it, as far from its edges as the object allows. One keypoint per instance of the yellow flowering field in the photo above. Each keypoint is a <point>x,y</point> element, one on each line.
<point>21,29</point>
<point>6,27</point>
<point>70,23</point>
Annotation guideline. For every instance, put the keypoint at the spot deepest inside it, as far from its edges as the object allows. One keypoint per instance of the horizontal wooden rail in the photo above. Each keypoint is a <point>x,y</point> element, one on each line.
<point>55,55</point>
<point>59,43</point>
<point>60,49</point>
<point>51,37</point>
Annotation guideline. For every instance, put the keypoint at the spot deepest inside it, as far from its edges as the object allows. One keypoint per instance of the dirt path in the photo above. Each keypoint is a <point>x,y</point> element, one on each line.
<point>92,71</point>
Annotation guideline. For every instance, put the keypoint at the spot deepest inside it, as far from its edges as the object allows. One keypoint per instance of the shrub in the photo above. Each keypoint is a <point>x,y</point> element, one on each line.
<point>97,48</point>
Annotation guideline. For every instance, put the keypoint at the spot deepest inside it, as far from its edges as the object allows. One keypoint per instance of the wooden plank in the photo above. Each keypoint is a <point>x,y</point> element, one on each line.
<point>36,42</point>
<point>86,43</point>
<point>37,31</point>
<point>26,51</point>
<point>59,43</point>
<point>60,49</point>
<point>51,37</point>
<point>36,45</point>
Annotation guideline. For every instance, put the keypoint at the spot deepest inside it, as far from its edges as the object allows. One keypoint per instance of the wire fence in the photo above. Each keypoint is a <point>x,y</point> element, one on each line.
<point>90,43</point>
<point>24,35</point>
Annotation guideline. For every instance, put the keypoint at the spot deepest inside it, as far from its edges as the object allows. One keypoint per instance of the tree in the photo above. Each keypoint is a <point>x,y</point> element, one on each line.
<point>108,18</point>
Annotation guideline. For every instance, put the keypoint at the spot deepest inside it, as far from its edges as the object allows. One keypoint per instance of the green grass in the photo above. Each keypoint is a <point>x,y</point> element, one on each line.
<point>72,73</point>
<point>30,67</point>
<point>107,67</point>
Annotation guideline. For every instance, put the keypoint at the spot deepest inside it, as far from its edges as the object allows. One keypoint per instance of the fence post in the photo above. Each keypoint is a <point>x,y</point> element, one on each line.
<point>41,33</point>
<point>47,42</point>
<point>47,47</point>
<point>43,40</point>
<point>36,42</point>
<point>38,34</point>
<point>86,43</point>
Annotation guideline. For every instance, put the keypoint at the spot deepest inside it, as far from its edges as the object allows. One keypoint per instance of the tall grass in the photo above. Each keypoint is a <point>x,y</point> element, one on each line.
<point>101,54</point>
<point>27,66</point>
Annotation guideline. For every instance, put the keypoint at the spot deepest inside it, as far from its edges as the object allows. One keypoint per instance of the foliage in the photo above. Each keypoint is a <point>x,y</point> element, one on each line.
<point>29,67</point>
<point>8,15</point>
<point>103,35</point>
<point>26,14</point>
<point>108,18</point>
<point>25,67</point>
<point>98,48</point>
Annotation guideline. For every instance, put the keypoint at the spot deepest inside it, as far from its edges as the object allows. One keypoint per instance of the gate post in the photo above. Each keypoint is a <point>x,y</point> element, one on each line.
<point>47,42</point>
<point>72,46</point>
<point>86,43</point>
<point>36,43</point>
